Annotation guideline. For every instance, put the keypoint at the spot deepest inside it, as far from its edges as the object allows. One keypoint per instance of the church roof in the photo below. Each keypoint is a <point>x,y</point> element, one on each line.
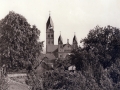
<point>56,53</point>
<point>64,45</point>
<point>52,48</point>
<point>49,56</point>
<point>49,22</point>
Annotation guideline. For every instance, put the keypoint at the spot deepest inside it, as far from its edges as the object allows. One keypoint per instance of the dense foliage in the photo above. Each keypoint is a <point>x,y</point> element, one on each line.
<point>62,64</point>
<point>104,43</point>
<point>19,46</point>
<point>100,56</point>
<point>3,84</point>
<point>97,64</point>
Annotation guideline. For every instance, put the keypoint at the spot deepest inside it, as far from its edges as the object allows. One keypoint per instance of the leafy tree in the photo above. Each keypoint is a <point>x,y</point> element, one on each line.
<point>100,58</point>
<point>97,63</point>
<point>101,46</point>
<point>19,46</point>
<point>105,43</point>
<point>62,64</point>
<point>3,84</point>
<point>63,80</point>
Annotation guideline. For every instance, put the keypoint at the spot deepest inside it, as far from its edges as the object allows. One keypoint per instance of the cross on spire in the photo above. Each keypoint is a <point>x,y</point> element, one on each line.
<point>49,13</point>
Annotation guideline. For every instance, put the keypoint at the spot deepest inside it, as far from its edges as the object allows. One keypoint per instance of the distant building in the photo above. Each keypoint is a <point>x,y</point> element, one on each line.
<point>72,68</point>
<point>61,50</point>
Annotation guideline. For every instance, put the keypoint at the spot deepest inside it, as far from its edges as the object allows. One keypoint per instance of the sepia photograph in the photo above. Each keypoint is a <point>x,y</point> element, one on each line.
<point>59,44</point>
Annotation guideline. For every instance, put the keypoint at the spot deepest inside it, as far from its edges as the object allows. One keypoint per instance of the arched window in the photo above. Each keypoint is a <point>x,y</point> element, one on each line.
<point>52,35</point>
<point>48,35</point>
<point>48,42</point>
<point>52,42</point>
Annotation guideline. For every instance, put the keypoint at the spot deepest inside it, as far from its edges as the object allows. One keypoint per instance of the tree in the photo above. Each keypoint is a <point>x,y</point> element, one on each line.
<point>19,44</point>
<point>100,57</point>
<point>104,43</point>
<point>62,64</point>
<point>63,80</point>
<point>3,84</point>
<point>79,58</point>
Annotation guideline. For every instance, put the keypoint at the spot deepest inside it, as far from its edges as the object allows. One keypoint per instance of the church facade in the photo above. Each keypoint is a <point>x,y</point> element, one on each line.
<point>61,50</point>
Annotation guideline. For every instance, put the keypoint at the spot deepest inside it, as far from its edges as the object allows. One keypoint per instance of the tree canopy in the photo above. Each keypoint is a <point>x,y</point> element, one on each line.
<point>101,46</point>
<point>100,57</point>
<point>19,41</point>
<point>97,64</point>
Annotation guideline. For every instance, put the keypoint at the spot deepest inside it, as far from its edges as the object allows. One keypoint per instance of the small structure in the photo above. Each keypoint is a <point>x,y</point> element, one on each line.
<point>72,68</point>
<point>48,59</point>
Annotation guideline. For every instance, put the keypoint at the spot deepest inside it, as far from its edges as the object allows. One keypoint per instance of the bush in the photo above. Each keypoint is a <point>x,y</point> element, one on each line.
<point>3,84</point>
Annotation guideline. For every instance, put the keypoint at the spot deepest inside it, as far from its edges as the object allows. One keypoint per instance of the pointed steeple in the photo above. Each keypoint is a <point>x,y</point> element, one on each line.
<point>60,41</point>
<point>67,41</point>
<point>75,39</point>
<point>49,23</point>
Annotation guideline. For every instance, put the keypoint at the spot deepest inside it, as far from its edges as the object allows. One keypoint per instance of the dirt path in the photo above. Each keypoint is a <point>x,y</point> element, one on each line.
<point>13,85</point>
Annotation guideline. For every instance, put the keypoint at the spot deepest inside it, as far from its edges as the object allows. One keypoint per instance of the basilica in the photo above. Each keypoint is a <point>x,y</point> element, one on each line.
<point>61,50</point>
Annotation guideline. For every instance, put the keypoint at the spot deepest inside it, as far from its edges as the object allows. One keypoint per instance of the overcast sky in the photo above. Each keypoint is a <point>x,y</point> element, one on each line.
<point>69,16</point>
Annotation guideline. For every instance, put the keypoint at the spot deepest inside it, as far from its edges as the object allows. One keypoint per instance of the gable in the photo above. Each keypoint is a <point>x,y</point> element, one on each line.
<point>42,67</point>
<point>67,48</point>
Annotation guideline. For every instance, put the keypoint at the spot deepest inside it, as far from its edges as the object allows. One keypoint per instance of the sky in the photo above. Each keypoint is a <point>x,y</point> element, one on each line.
<point>69,16</point>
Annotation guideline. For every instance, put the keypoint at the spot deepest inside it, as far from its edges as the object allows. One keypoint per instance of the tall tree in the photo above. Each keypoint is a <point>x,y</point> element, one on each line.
<point>19,44</point>
<point>104,43</point>
<point>100,57</point>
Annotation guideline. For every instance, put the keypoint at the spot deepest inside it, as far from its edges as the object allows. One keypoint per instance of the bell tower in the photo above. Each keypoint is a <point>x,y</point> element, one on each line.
<point>49,32</point>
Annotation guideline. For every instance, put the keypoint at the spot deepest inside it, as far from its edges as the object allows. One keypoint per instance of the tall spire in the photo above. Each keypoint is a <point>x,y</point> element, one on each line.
<point>49,23</point>
<point>60,39</point>
<point>75,39</point>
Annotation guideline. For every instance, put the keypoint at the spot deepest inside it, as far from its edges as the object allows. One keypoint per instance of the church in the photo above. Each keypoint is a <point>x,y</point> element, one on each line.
<point>57,51</point>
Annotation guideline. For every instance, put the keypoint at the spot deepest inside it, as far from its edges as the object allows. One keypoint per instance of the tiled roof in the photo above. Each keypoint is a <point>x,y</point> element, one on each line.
<point>50,56</point>
<point>52,48</point>
<point>41,56</point>
<point>56,53</point>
